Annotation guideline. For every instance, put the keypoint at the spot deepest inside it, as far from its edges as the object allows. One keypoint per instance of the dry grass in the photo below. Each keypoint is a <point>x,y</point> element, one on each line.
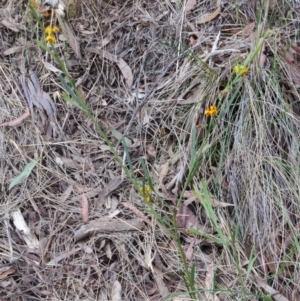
<point>248,155</point>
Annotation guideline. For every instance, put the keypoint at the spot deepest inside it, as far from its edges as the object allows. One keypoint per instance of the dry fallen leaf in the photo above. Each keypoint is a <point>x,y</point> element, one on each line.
<point>190,5</point>
<point>292,69</point>
<point>71,38</point>
<point>52,68</point>
<point>124,68</point>
<point>106,225</point>
<point>216,203</point>
<point>209,285</point>
<point>17,121</point>
<point>210,16</point>
<point>5,271</point>
<point>63,256</point>
<point>190,250</point>
<point>247,30</point>
<point>137,212</point>
<point>70,163</point>
<point>9,23</point>
<point>16,49</point>
<point>116,291</point>
<point>158,276</point>
<point>36,97</point>
<point>191,197</point>
<point>66,194</point>
<point>84,209</point>
<point>269,290</point>
<point>20,224</point>
<point>295,48</point>
<point>186,218</point>
<point>163,172</point>
<point>110,187</point>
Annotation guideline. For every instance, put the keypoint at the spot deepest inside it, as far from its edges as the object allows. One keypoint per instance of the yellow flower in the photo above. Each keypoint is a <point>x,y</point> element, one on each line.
<point>48,30</point>
<point>145,192</point>
<point>56,29</point>
<point>241,70</point>
<point>50,39</point>
<point>211,111</point>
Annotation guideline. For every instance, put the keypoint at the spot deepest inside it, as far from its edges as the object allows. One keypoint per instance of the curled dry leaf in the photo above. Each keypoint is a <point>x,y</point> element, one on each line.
<point>124,68</point>
<point>20,224</point>
<point>18,120</point>
<point>84,209</point>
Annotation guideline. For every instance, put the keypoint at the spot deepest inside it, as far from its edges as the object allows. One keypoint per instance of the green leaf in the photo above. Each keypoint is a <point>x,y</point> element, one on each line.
<point>119,136</point>
<point>23,175</point>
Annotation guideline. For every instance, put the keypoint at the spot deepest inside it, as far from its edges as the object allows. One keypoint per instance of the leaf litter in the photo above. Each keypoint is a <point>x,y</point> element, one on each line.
<point>102,244</point>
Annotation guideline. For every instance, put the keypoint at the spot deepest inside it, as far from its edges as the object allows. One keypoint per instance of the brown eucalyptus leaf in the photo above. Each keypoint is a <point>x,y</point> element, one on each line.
<point>123,66</point>
<point>190,5</point>
<point>17,121</point>
<point>110,187</point>
<point>84,209</point>
<point>71,38</point>
<point>106,225</point>
<point>210,16</point>
<point>271,291</point>
<point>5,271</point>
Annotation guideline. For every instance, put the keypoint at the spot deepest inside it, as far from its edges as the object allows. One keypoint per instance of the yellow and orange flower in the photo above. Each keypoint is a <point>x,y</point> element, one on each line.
<point>241,70</point>
<point>145,192</point>
<point>211,111</point>
<point>50,39</point>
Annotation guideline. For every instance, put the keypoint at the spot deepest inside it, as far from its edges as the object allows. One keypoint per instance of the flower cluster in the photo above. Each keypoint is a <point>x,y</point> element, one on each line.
<point>211,111</point>
<point>145,192</point>
<point>50,31</point>
<point>241,70</point>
